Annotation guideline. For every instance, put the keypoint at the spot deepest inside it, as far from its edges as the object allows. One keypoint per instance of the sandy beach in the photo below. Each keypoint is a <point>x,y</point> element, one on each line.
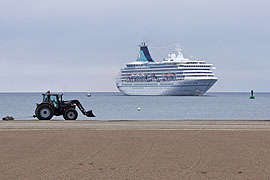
<point>135,150</point>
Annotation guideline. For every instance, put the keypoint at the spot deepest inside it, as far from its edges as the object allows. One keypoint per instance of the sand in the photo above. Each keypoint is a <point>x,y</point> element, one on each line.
<point>135,150</point>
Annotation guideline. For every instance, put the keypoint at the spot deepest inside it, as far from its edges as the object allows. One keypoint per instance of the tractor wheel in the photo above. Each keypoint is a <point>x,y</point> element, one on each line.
<point>70,114</point>
<point>44,112</point>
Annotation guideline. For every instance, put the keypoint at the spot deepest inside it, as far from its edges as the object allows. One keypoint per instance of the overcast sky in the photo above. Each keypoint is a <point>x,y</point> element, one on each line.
<point>64,45</point>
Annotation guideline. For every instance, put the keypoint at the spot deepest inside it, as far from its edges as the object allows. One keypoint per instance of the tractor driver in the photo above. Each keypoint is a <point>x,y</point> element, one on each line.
<point>47,97</point>
<point>51,99</point>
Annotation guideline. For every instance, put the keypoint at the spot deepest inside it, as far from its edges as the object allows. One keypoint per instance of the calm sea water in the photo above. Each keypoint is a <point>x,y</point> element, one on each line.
<point>115,106</point>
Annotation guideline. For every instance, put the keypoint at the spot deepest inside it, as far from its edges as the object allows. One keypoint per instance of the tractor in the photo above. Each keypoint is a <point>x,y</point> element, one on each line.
<point>53,105</point>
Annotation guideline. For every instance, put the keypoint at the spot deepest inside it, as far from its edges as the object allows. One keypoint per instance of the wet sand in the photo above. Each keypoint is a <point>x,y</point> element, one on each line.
<point>135,150</point>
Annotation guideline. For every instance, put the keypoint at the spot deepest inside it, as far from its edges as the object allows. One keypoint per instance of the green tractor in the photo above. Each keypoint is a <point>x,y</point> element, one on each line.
<point>53,105</point>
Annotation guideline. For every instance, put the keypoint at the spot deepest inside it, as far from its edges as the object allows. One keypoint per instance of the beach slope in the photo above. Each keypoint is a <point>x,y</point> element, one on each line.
<point>135,150</point>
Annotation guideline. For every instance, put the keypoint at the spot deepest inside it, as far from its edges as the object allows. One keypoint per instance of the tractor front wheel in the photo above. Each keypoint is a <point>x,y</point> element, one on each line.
<point>70,114</point>
<point>44,112</point>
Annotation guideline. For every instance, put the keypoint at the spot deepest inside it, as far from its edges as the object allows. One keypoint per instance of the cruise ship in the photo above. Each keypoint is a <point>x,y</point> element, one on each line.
<point>173,76</point>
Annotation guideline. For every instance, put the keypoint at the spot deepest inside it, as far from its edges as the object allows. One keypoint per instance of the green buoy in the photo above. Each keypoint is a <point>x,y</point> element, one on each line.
<point>252,96</point>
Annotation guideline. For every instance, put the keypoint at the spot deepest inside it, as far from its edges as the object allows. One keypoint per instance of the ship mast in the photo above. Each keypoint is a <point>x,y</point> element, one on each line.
<point>179,52</point>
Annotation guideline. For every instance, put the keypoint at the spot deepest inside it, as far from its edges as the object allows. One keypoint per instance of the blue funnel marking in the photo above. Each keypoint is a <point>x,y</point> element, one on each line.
<point>144,54</point>
<point>141,57</point>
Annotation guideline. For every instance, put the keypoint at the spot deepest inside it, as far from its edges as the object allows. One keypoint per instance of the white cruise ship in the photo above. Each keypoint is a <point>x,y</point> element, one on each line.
<point>174,76</point>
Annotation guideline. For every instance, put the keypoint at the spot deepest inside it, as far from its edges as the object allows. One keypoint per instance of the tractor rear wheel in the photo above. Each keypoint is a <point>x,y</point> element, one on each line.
<point>70,114</point>
<point>44,112</point>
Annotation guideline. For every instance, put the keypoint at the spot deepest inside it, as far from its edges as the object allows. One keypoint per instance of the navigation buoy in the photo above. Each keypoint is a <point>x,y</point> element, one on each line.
<point>138,109</point>
<point>88,95</point>
<point>251,95</point>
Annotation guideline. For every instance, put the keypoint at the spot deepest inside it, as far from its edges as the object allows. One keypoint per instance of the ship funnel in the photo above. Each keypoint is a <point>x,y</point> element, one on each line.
<point>144,54</point>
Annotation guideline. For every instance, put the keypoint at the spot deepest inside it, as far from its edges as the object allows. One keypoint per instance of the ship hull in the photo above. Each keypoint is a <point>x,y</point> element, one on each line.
<point>187,87</point>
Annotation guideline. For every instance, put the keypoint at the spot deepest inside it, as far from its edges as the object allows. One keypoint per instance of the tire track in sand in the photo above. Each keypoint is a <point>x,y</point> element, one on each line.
<point>196,163</point>
<point>61,174</point>
<point>145,155</point>
<point>28,159</point>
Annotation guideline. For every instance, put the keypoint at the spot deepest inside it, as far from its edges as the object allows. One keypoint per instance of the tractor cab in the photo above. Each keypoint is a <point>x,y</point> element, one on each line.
<point>54,99</point>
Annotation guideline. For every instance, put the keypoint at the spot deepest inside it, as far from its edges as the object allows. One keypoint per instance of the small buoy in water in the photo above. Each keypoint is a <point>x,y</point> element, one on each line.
<point>252,96</point>
<point>88,95</point>
<point>138,109</point>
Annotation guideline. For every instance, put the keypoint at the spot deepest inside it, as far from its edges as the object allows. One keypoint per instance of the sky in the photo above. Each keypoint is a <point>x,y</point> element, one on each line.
<point>67,45</point>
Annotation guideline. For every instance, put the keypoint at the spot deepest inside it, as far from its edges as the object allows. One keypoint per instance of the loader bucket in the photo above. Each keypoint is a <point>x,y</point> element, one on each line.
<point>89,114</point>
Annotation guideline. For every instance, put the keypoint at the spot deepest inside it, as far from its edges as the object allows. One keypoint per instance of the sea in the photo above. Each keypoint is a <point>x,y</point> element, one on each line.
<point>116,106</point>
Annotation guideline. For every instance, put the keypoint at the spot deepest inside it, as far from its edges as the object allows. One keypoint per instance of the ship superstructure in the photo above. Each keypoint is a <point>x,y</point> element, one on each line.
<point>175,75</point>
